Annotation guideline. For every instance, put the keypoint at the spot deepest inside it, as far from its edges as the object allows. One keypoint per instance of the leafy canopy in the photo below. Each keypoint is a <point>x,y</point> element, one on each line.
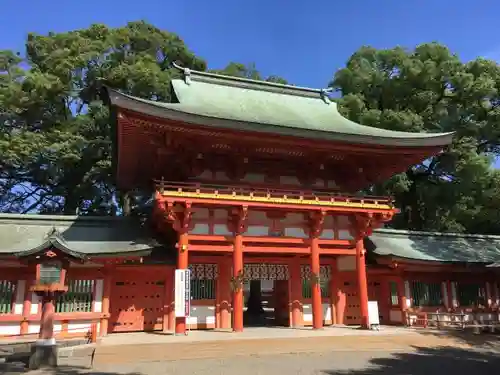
<point>430,90</point>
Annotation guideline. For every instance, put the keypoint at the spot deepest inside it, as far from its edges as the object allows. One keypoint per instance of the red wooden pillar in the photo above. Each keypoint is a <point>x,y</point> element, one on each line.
<point>238,289</point>
<point>362,283</point>
<point>295,294</point>
<point>26,305</point>
<point>47,320</point>
<point>224,294</point>
<point>106,292</point>
<point>182,264</point>
<point>317,307</point>
<point>167,299</point>
<point>334,298</point>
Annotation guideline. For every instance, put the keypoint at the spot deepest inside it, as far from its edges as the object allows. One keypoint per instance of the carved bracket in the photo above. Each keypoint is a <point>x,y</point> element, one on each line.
<point>238,220</point>
<point>316,222</point>
<point>361,225</point>
<point>180,219</point>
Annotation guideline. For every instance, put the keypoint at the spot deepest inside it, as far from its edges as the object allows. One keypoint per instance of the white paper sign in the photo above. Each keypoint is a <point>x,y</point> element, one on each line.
<point>373,317</point>
<point>182,293</point>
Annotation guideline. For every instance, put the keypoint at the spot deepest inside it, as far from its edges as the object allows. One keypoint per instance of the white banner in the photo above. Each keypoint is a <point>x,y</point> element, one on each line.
<point>182,293</point>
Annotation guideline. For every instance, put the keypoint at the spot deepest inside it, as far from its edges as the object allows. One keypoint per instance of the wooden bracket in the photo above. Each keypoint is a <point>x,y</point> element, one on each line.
<point>238,220</point>
<point>180,219</point>
<point>361,225</point>
<point>316,222</point>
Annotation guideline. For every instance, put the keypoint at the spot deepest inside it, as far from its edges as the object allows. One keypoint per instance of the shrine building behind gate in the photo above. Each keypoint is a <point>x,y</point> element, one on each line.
<point>252,186</point>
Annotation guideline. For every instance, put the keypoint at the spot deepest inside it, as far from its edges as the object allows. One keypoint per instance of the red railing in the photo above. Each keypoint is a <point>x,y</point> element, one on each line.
<point>232,189</point>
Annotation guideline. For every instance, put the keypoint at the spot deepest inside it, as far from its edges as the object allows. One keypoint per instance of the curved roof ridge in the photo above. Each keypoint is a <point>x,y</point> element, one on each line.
<point>248,83</point>
<point>435,234</point>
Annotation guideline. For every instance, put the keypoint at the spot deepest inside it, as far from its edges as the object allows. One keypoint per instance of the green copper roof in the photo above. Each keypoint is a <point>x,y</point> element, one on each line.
<point>81,237</point>
<point>235,103</point>
<point>437,247</point>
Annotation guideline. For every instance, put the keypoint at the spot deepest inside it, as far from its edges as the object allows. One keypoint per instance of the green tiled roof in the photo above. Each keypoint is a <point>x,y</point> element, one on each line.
<point>78,236</point>
<point>438,247</point>
<point>235,103</point>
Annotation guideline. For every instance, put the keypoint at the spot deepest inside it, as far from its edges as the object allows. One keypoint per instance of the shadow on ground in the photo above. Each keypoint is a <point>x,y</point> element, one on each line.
<point>483,340</point>
<point>18,368</point>
<point>431,361</point>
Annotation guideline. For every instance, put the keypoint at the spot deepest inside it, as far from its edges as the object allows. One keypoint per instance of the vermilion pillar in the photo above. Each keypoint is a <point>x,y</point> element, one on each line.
<point>47,320</point>
<point>362,283</point>
<point>295,293</point>
<point>224,294</point>
<point>317,307</point>
<point>238,289</point>
<point>182,264</point>
<point>106,291</point>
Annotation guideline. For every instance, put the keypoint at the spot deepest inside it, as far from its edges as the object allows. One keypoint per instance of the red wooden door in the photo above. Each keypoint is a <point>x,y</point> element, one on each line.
<point>136,302</point>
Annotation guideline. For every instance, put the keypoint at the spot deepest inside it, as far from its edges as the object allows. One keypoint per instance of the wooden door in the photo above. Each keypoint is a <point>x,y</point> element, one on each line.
<point>281,300</point>
<point>137,300</point>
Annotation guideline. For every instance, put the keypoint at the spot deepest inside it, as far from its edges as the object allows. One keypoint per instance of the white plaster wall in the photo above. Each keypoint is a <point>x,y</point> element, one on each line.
<point>33,328</point>
<point>34,304</point>
<point>99,286</point>
<point>18,302</point>
<point>79,326</point>
<point>444,288</point>
<point>200,228</point>
<point>295,232</point>
<point>454,299</point>
<point>202,315</point>
<point>396,316</point>
<point>254,177</point>
<point>221,176</point>
<point>346,263</point>
<point>308,315</point>
<point>289,180</point>
<point>10,329</point>
<point>489,300</point>
<point>407,293</point>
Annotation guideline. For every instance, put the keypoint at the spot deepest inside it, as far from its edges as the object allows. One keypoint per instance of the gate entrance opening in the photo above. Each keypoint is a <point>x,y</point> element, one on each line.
<point>266,295</point>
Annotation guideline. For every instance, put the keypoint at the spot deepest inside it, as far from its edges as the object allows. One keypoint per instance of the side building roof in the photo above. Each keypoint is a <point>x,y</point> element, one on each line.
<point>435,247</point>
<point>207,99</point>
<point>78,236</point>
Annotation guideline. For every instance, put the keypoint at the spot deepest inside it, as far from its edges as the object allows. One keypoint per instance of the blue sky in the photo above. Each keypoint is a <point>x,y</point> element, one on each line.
<point>302,41</point>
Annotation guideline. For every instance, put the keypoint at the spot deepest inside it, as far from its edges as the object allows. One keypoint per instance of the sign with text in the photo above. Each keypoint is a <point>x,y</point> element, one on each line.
<point>182,293</point>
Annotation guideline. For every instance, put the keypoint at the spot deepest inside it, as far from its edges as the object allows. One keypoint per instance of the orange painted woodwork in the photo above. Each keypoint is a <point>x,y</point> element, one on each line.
<point>237,289</point>
<point>223,306</point>
<point>317,307</point>
<point>182,264</point>
<point>106,292</point>
<point>137,300</point>
<point>295,293</point>
<point>362,282</point>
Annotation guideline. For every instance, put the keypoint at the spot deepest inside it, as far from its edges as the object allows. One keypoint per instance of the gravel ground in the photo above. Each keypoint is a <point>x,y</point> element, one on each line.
<point>419,362</point>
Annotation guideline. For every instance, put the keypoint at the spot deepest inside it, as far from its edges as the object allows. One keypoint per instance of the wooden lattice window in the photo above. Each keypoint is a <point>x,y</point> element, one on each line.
<point>426,294</point>
<point>394,298</point>
<point>7,292</point>
<point>78,298</point>
<point>307,289</point>
<point>471,294</point>
<point>202,289</point>
<point>203,278</point>
<point>324,277</point>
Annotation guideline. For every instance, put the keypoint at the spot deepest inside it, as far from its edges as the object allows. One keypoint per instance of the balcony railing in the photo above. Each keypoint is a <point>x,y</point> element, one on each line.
<point>258,194</point>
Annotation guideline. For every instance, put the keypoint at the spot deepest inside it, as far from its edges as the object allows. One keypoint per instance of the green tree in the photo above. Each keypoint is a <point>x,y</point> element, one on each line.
<point>247,71</point>
<point>55,144</point>
<point>430,89</point>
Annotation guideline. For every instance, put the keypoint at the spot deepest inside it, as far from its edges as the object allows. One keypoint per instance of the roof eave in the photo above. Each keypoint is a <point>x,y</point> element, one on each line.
<point>177,114</point>
<point>56,243</point>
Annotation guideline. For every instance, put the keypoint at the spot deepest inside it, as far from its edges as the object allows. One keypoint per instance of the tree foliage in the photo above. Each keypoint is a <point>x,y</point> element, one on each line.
<point>55,144</point>
<point>429,89</point>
